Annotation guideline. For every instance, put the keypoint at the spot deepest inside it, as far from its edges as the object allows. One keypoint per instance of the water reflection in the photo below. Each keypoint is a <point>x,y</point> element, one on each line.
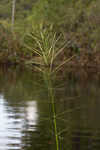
<point>31,114</point>
<point>13,123</point>
<point>26,116</point>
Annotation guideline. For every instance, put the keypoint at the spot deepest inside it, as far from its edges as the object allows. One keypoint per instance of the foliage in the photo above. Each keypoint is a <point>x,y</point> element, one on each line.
<point>22,8</point>
<point>46,11</point>
<point>78,21</point>
<point>47,48</point>
<point>10,44</point>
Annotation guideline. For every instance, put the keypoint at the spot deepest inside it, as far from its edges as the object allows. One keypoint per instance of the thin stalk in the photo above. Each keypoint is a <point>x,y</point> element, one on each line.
<point>64,62</point>
<point>54,113</point>
<point>55,124</point>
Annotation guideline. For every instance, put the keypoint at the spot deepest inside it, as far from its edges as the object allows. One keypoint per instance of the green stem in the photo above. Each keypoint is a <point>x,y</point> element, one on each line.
<point>54,114</point>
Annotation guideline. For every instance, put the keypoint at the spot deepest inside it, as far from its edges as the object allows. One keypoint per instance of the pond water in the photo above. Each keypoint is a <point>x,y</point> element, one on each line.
<point>26,114</point>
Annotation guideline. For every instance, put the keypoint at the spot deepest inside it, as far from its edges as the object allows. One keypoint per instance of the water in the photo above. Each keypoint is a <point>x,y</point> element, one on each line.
<point>26,113</point>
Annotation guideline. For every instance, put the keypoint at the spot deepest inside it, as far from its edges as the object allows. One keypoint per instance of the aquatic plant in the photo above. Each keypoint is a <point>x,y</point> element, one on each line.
<point>47,47</point>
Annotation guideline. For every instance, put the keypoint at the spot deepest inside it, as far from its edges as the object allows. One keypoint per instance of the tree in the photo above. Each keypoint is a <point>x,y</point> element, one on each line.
<point>13,13</point>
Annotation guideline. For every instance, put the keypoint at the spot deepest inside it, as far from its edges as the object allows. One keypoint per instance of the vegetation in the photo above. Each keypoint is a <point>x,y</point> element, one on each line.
<point>48,49</point>
<point>68,26</point>
<point>49,34</point>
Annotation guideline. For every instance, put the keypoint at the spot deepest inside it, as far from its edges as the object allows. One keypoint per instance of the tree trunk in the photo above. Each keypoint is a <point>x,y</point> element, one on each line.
<point>13,13</point>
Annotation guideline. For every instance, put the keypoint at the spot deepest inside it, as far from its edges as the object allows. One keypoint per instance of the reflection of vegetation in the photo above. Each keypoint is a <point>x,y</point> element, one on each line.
<point>21,85</point>
<point>52,99</point>
<point>75,109</point>
<point>49,82</point>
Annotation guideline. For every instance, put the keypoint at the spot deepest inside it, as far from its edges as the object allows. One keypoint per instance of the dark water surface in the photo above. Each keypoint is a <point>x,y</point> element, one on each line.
<point>26,116</point>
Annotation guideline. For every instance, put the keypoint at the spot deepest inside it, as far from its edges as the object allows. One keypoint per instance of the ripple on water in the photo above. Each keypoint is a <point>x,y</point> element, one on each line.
<point>13,124</point>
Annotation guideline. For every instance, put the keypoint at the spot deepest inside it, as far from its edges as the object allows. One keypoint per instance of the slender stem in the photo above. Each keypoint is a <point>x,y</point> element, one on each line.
<point>54,113</point>
<point>55,124</point>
